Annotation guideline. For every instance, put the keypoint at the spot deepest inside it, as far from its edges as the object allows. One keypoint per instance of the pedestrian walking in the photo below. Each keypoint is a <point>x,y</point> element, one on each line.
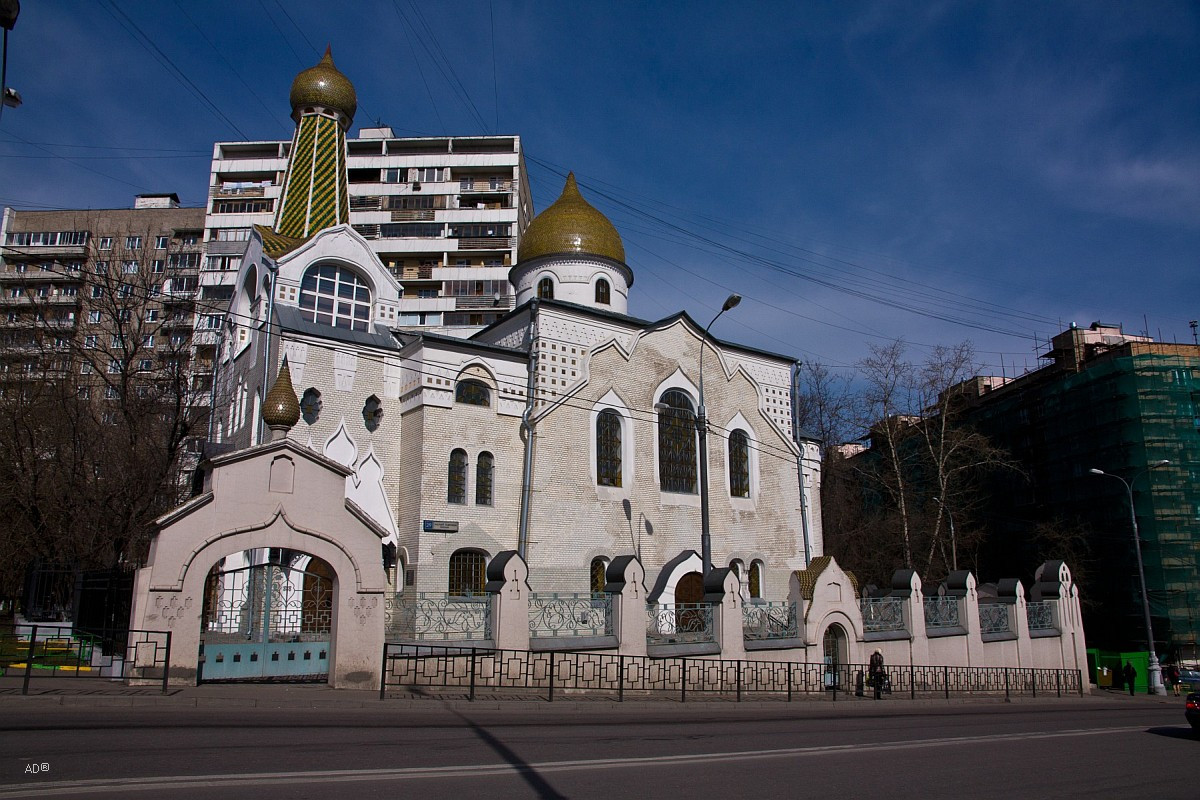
<point>1173,678</point>
<point>876,673</point>
<point>1130,674</point>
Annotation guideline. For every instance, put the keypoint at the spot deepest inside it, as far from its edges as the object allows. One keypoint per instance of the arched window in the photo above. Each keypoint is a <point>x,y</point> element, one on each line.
<point>608,448</point>
<point>739,464</point>
<point>468,571</point>
<point>598,569</point>
<point>336,296</point>
<point>473,393</point>
<point>754,579</point>
<point>456,478</point>
<point>676,442</point>
<point>602,291</point>
<point>545,289</point>
<point>483,479</point>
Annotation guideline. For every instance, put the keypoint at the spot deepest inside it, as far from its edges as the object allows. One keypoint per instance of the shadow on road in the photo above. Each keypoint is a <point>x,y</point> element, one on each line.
<point>531,776</point>
<point>1175,732</point>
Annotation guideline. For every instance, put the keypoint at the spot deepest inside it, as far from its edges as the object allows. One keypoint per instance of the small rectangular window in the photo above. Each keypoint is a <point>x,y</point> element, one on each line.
<point>105,243</point>
<point>161,242</point>
<point>133,243</point>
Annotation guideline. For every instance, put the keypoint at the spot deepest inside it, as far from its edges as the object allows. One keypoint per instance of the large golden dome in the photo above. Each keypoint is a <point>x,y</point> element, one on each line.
<point>571,225</point>
<point>324,85</point>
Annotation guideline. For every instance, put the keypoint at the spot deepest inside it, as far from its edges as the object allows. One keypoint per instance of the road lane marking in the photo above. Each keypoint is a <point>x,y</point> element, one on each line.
<point>169,782</point>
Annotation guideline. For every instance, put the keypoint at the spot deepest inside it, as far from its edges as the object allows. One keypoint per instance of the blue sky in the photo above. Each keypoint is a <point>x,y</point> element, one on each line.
<point>859,171</point>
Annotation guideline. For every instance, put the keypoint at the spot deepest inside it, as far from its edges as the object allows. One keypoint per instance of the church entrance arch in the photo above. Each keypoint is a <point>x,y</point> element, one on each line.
<point>267,615</point>
<point>834,655</point>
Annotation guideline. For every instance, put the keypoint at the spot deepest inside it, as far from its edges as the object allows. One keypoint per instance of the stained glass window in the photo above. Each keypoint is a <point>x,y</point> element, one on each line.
<point>468,571</point>
<point>608,448</point>
<point>474,393</point>
<point>755,579</point>
<point>456,480</point>
<point>545,289</point>
<point>602,291</point>
<point>677,443</point>
<point>336,296</point>
<point>483,479</point>
<point>739,464</point>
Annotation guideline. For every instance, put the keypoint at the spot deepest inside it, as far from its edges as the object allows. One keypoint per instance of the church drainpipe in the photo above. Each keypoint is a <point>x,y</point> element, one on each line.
<point>272,270</point>
<point>800,462</point>
<point>528,429</point>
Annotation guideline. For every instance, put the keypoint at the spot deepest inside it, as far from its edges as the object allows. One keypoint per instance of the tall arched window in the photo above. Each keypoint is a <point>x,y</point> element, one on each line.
<point>739,464</point>
<point>598,569</point>
<point>602,291</point>
<point>608,448</point>
<point>468,572</point>
<point>754,579</point>
<point>483,479</point>
<point>456,478</point>
<point>333,295</point>
<point>472,392</point>
<point>545,289</point>
<point>676,442</point>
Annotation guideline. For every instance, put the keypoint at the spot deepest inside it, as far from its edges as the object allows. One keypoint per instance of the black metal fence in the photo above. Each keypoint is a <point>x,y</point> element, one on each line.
<point>471,670</point>
<point>32,651</point>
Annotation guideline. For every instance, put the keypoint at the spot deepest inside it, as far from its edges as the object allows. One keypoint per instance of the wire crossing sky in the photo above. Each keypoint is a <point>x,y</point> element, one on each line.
<point>857,171</point>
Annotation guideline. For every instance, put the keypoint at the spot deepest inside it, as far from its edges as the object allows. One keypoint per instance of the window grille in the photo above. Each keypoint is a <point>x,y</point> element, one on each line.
<point>739,464</point>
<point>598,570</point>
<point>677,443</point>
<point>456,483</point>
<point>483,479</point>
<point>602,292</point>
<point>468,571</point>
<point>608,448</point>
<point>545,289</point>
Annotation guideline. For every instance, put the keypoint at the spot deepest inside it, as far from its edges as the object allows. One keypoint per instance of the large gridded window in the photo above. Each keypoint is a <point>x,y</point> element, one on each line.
<point>739,464</point>
<point>545,289</point>
<point>676,443</point>
<point>602,292</point>
<point>468,571</point>
<point>598,569</point>
<point>456,478</point>
<point>608,448</point>
<point>336,296</point>
<point>484,467</point>
<point>473,393</point>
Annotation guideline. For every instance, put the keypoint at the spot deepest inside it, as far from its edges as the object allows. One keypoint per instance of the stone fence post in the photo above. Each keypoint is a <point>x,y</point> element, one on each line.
<point>906,586</point>
<point>723,589</point>
<point>625,583</point>
<point>508,585</point>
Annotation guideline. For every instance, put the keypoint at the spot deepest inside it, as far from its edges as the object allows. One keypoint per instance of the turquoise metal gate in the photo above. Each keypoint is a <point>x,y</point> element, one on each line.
<point>267,621</point>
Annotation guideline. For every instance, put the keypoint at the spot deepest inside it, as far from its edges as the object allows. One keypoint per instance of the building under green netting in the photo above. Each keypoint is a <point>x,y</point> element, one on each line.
<point>1116,403</point>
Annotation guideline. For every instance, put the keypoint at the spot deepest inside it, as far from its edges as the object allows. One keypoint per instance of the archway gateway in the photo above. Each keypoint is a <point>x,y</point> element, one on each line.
<point>267,620</point>
<point>833,646</point>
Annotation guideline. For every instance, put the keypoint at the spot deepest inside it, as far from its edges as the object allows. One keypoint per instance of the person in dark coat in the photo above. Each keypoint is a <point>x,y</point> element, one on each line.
<point>1130,675</point>
<point>876,673</point>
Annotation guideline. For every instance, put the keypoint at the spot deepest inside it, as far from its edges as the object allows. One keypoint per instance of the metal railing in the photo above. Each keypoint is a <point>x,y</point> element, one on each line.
<point>486,243</point>
<point>995,618</point>
<point>1040,614</point>
<point>680,623</point>
<point>50,651</point>
<point>767,621</point>
<point>555,615</point>
<point>436,616</point>
<point>882,614</point>
<point>942,612</point>
<point>468,671</point>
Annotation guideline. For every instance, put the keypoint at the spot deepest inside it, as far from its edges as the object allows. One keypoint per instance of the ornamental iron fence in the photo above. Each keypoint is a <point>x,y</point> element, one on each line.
<point>468,671</point>
<point>1040,614</point>
<point>995,618</point>
<point>32,651</point>
<point>882,614</point>
<point>679,623</point>
<point>941,612</point>
<point>437,616</point>
<point>557,615</point>
<point>766,621</point>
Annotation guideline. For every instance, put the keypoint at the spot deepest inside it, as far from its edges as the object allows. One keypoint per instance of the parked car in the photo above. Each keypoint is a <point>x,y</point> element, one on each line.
<point>1192,710</point>
<point>1190,679</point>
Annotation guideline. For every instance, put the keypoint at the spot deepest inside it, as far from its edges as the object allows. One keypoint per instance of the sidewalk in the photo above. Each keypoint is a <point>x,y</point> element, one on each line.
<point>97,693</point>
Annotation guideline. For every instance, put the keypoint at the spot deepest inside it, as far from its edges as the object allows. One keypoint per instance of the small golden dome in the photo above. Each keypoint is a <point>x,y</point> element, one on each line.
<point>324,85</point>
<point>282,409</point>
<point>571,225</point>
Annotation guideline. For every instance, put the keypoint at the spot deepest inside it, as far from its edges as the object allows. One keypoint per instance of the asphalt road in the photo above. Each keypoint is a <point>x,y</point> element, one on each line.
<point>1064,749</point>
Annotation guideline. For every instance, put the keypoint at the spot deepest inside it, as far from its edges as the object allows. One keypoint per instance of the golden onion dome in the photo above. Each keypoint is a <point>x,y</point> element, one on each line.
<point>324,85</point>
<point>282,409</point>
<point>571,225</point>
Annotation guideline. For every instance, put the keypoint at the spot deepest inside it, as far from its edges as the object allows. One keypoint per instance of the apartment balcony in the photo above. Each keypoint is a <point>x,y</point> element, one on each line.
<point>366,203</point>
<point>177,322</point>
<point>205,337</point>
<point>487,243</point>
<point>489,302</point>
<point>246,191</point>
<point>226,248</point>
<point>484,186</point>
<point>367,231</point>
<point>413,215</point>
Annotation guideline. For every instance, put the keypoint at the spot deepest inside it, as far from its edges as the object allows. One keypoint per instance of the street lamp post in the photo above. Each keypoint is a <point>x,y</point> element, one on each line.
<point>702,430</point>
<point>1155,671</point>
